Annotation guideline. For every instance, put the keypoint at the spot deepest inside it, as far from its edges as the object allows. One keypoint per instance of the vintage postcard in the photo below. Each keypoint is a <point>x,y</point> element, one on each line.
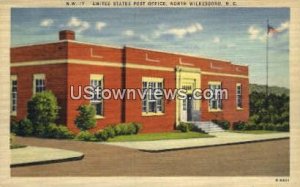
<point>155,93</point>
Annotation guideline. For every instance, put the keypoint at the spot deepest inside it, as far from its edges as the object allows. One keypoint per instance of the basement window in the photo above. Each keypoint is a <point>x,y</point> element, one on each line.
<point>97,101</point>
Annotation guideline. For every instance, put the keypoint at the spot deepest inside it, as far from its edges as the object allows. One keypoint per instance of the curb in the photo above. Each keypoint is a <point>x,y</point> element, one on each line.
<point>207,146</point>
<point>48,161</point>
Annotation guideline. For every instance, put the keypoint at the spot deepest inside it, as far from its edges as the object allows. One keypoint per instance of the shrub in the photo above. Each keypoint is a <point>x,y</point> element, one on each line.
<point>58,131</point>
<point>186,127</point>
<point>127,128</point>
<point>224,124</point>
<point>110,131</point>
<point>102,135</point>
<point>40,130</point>
<point>272,109</point>
<point>14,126</point>
<point>131,129</point>
<point>138,127</point>
<point>259,127</point>
<point>282,127</point>
<point>86,117</point>
<point>42,110</point>
<point>124,129</point>
<point>255,119</point>
<point>25,128</point>
<point>239,125</point>
<point>268,126</point>
<point>85,136</point>
<point>117,130</point>
<point>286,126</point>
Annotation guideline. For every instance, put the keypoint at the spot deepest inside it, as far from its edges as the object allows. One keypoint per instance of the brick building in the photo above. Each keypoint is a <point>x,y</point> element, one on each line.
<point>59,65</point>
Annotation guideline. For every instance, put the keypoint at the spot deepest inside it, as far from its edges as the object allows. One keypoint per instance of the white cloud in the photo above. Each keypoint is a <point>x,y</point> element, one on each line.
<point>254,32</point>
<point>128,33</point>
<point>163,29</point>
<point>182,32</point>
<point>78,25</point>
<point>145,38</point>
<point>283,26</point>
<point>100,25</point>
<point>216,40</point>
<point>46,22</point>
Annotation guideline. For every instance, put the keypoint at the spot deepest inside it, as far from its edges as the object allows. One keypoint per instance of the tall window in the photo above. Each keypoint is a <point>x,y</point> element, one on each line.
<point>152,104</point>
<point>215,103</point>
<point>39,83</point>
<point>97,101</point>
<point>14,94</point>
<point>239,103</point>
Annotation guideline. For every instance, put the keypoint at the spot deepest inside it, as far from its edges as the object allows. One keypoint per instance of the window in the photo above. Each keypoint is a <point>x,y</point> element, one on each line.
<point>215,103</point>
<point>239,103</point>
<point>38,83</point>
<point>97,101</point>
<point>150,103</point>
<point>14,94</point>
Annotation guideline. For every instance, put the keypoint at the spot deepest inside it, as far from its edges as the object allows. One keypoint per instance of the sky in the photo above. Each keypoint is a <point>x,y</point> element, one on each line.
<point>234,34</point>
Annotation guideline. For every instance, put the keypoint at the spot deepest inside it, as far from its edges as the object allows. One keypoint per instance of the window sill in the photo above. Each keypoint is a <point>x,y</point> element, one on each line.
<point>238,108</point>
<point>13,113</point>
<point>152,114</point>
<point>99,117</point>
<point>215,110</point>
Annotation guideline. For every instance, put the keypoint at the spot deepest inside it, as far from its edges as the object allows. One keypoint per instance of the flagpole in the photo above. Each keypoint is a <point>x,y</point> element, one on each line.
<point>267,59</point>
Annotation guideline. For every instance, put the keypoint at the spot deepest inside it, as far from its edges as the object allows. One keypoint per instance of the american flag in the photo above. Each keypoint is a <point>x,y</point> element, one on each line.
<point>271,30</point>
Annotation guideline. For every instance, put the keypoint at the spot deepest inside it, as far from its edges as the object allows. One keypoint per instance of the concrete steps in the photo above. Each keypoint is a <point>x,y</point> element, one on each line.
<point>208,126</point>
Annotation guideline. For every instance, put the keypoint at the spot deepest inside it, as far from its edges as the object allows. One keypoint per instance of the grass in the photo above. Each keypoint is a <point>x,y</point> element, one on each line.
<point>159,136</point>
<point>256,131</point>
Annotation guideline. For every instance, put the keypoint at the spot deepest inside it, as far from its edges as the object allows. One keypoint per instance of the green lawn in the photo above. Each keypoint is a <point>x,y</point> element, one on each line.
<point>159,136</point>
<point>256,131</point>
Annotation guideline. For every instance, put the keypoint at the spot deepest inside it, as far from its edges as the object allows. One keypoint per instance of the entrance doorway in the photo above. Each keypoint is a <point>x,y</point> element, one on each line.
<point>187,109</point>
<point>188,78</point>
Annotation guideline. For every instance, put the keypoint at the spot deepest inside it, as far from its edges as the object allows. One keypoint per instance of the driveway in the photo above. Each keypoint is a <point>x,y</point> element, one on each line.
<point>269,158</point>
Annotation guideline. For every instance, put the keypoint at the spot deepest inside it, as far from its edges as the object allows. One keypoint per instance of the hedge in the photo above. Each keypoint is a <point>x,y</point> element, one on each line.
<point>186,127</point>
<point>240,125</point>
<point>224,124</point>
<point>85,136</point>
<point>117,130</point>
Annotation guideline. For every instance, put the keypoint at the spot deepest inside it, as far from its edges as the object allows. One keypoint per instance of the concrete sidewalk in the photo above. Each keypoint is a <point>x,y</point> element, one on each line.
<point>222,138</point>
<point>41,155</point>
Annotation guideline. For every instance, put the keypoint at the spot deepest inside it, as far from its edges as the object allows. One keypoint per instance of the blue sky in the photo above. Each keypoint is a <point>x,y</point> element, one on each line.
<point>235,34</point>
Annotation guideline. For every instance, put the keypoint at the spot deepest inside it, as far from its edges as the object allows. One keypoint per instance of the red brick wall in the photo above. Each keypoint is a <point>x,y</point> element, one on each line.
<point>94,53</point>
<point>80,75</point>
<point>161,123</point>
<point>55,80</point>
<point>39,52</point>
<point>138,56</point>
<point>229,111</point>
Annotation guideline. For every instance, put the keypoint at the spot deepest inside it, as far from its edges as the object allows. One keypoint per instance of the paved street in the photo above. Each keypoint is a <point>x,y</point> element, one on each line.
<point>269,158</point>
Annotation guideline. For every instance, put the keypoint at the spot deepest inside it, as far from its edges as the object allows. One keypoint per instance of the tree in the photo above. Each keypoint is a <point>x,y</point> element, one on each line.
<point>86,117</point>
<point>42,110</point>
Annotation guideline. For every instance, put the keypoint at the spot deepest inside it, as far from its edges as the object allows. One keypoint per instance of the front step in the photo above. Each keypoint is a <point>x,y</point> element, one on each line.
<point>208,126</point>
